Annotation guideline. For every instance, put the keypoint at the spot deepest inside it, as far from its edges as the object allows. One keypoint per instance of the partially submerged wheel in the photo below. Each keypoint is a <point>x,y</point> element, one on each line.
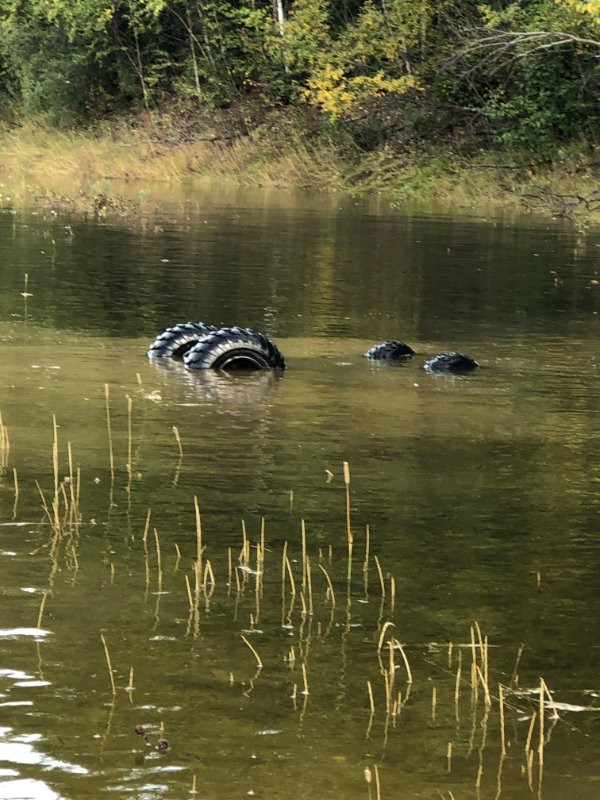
<point>451,362</point>
<point>390,350</point>
<point>176,341</point>
<point>232,349</point>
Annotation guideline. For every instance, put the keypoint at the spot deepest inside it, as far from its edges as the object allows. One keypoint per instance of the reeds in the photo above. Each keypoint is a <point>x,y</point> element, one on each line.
<point>397,673</point>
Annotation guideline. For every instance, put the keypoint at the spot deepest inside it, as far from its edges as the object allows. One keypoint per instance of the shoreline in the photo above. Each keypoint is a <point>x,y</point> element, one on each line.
<point>130,172</point>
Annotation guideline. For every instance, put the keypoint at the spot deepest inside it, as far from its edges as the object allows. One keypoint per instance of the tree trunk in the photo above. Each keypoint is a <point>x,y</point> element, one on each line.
<point>278,15</point>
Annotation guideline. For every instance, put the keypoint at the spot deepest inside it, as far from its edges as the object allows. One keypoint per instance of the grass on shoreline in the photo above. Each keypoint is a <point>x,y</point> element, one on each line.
<point>113,172</point>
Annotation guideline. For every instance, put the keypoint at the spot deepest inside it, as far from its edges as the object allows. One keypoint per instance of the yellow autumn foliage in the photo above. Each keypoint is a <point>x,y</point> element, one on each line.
<point>335,93</point>
<point>589,7</point>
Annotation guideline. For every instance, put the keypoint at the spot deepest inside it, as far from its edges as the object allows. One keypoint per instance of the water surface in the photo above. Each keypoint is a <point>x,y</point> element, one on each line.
<point>480,493</point>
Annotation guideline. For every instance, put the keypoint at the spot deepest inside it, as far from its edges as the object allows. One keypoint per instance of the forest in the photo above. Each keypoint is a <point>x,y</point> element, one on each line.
<point>454,75</point>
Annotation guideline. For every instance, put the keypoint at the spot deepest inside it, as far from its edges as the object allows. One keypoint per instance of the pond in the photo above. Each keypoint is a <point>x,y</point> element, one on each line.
<point>198,599</point>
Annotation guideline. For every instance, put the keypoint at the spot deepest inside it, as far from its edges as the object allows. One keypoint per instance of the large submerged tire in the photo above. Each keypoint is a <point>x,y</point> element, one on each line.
<point>390,350</point>
<point>232,349</point>
<point>451,362</point>
<point>176,341</point>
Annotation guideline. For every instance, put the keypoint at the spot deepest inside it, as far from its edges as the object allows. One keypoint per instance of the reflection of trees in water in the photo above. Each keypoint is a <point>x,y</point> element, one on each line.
<point>298,273</point>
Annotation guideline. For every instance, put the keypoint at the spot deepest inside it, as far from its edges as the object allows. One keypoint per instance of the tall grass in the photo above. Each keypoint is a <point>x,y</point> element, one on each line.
<point>121,171</point>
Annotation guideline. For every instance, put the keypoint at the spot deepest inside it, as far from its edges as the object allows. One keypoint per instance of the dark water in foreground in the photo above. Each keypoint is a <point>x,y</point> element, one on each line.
<point>480,494</point>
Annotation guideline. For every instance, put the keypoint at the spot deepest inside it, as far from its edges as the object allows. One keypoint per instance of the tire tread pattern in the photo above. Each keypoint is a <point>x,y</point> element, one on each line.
<point>390,350</point>
<point>224,343</point>
<point>174,342</point>
<point>451,362</point>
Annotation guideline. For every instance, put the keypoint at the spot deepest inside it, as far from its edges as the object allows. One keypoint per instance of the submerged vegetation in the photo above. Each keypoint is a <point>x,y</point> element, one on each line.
<point>410,97</point>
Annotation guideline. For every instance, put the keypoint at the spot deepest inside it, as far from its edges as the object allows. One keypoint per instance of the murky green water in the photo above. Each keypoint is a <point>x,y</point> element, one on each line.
<point>480,494</point>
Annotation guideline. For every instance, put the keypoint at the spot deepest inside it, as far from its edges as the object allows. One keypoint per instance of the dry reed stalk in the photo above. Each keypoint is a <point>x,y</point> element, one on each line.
<point>541,720</point>
<point>4,444</point>
<point>229,568</point>
<point>530,732</point>
<point>329,585</point>
<point>551,702</point>
<point>259,663</point>
<point>474,685</point>
<point>346,469</point>
<point>16,502</point>
<point>178,554</point>
<point>304,679</point>
<point>198,541</point>
<point>502,730</point>
<point>129,440</point>
<point>175,480</point>
<point>368,778</point>
<point>78,491</point>
<point>388,693</point>
<point>45,505</point>
<point>158,560</point>
<point>380,573</point>
<point>479,777</point>
<point>41,611</point>
<point>304,611</point>
<point>178,440</point>
<point>290,575</point>
<point>486,690</point>
<point>111,454</point>
<point>193,790</point>
<point>257,583</point>
<point>189,593</point>
<point>433,703</point>
<point>450,651</point>
<point>371,699</point>
<point>449,758</point>
<point>514,678</point>
<point>392,593</point>
<point>530,757</point>
<point>262,551</point>
<point>309,586</point>
<point>409,678</point>
<point>486,661</point>
<point>73,510</point>
<point>130,685</point>
<point>303,540</point>
<point>291,496</point>
<point>109,665</point>
<point>55,500</point>
<point>291,657</point>
<point>377,782</point>
<point>209,577</point>
<point>367,548</point>
<point>479,641</point>
<point>384,628</point>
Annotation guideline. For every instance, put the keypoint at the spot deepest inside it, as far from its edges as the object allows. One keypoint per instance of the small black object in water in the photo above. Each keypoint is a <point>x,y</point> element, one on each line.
<point>451,362</point>
<point>390,351</point>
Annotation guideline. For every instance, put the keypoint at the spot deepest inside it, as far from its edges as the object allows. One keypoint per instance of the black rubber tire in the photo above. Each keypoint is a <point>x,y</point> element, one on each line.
<point>390,350</point>
<point>176,341</point>
<point>234,349</point>
<point>451,362</point>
